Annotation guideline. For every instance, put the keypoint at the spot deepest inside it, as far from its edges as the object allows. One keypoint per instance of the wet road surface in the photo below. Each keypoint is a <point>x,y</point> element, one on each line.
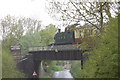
<point>63,74</point>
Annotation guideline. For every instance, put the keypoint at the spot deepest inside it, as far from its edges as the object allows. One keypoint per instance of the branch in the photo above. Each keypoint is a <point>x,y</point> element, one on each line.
<point>83,15</point>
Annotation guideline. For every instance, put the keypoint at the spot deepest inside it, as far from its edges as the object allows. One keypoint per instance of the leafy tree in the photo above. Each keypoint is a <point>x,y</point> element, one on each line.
<point>75,70</point>
<point>40,38</point>
<point>89,42</point>
<point>0,60</point>
<point>14,28</point>
<point>51,67</point>
<point>32,39</point>
<point>47,35</point>
<point>9,69</point>
<point>93,13</point>
<point>25,32</point>
<point>103,63</point>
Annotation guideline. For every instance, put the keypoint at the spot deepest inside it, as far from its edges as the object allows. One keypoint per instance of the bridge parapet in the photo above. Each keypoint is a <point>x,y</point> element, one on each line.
<point>56,47</point>
<point>32,60</point>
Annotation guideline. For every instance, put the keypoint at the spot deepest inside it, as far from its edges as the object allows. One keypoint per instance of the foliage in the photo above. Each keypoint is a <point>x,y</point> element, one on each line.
<point>32,39</point>
<point>9,69</point>
<point>89,43</point>
<point>89,38</point>
<point>75,68</point>
<point>25,32</point>
<point>92,13</point>
<point>47,35</point>
<point>52,67</point>
<point>0,60</point>
<point>104,61</point>
<point>14,28</point>
<point>41,38</point>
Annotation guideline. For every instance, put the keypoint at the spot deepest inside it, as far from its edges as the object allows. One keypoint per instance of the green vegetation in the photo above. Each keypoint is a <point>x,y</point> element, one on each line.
<point>9,69</point>
<point>47,35</point>
<point>42,38</point>
<point>25,32</point>
<point>51,67</point>
<point>103,63</point>
<point>76,68</point>
<point>89,43</point>
<point>0,66</point>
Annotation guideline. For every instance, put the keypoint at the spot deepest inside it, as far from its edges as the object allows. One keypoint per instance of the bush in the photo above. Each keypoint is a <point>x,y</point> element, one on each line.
<point>104,62</point>
<point>75,68</point>
<point>52,67</point>
<point>9,69</point>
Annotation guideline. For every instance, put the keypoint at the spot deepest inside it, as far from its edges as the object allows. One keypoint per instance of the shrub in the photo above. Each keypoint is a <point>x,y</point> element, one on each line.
<point>9,69</point>
<point>104,61</point>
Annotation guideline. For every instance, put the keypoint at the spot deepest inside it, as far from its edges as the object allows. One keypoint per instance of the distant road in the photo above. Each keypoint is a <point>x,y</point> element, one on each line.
<point>63,74</point>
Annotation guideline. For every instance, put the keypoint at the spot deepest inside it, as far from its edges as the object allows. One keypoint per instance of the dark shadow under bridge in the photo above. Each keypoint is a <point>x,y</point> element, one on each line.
<point>33,59</point>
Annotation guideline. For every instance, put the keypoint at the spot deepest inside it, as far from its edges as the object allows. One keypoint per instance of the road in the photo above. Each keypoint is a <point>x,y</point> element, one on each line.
<point>62,74</point>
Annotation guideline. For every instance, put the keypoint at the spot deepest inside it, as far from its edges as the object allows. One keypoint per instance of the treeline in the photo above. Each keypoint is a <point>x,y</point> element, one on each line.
<point>52,66</point>
<point>103,59</point>
<point>24,32</point>
<point>9,69</point>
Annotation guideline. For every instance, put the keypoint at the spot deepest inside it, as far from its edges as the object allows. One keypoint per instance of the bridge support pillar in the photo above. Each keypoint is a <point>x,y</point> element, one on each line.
<point>27,66</point>
<point>36,68</point>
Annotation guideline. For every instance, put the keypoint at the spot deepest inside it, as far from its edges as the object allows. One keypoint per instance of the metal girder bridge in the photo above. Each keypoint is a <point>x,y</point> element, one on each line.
<point>33,59</point>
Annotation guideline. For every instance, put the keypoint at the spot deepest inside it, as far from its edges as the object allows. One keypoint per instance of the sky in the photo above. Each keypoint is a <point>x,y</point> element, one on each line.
<point>26,8</point>
<point>34,9</point>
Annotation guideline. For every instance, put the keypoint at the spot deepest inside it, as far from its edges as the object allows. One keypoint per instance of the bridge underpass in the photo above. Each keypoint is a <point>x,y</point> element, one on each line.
<point>33,59</point>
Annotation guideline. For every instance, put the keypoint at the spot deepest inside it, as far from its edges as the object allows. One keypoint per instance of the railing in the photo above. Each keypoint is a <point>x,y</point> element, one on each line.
<point>39,48</point>
<point>55,47</point>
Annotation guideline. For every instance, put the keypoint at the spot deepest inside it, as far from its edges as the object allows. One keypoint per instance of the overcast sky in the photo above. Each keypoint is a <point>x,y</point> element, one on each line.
<point>25,8</point>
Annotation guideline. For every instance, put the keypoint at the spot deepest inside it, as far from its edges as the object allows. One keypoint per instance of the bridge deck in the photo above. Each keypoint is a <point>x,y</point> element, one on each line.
<point>32,60</point>
<point>53,47</point>
<point>57,55</point>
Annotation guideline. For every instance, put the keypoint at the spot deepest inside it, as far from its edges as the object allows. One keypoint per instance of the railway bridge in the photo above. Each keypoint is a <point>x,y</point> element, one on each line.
<point>30,63</point>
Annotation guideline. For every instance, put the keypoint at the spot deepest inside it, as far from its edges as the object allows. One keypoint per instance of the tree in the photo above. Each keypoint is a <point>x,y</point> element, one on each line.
<point>14,28</point>
<point>103,63</point>
<point>47,35</point>
<point>76,68</point>
<point>9,69</point>
<point>28,40</point>
<point>93,13</point>
<point>0,56</point>
<point>51,67</point>
<point>43,37</point>
<point>25,32</point>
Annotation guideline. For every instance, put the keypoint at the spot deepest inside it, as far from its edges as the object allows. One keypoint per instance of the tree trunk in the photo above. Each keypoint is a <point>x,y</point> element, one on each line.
<point>101,17</point>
